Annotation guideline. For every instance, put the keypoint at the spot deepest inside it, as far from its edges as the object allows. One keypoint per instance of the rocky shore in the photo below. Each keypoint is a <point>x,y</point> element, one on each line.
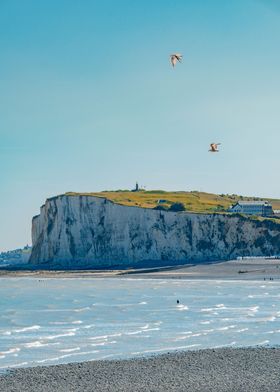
<point>227,369</point>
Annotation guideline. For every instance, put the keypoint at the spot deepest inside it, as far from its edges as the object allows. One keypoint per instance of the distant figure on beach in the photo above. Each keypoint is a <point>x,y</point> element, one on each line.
<point>174,58</point>
<point>214,147</point>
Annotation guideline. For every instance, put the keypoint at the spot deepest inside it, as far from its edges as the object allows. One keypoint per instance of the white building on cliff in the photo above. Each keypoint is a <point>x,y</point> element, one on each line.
<point>261,208</point>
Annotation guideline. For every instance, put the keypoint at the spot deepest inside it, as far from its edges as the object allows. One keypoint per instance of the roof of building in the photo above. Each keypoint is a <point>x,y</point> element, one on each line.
<point>259,203</point>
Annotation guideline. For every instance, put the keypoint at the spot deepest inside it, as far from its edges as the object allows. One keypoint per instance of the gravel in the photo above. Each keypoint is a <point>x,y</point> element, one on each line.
<point>227,369</point>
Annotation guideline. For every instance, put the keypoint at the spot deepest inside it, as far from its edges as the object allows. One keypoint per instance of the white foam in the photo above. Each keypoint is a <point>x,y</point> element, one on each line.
<point>14,365</point>
<point>32,328</point>
<point>69,350</point>
<point>67,356</point>
<point>145,326</point>
<point>264,342</point>
<point>254,309</point>
<point>167,349</point>
<point>10,351</point>
<point>275,331</point>
<point>134,332</point>
<point>182,307</point>
<point>270,318</point>
<point>62,335</point>
<point>206,331</point>
<point>105,336</point>
<point>226,328</point>
<point>185,332</point>
<point>143,303</point>
<point>242,330</point>
<point>81,309</point>
<point>37,343</point>
<point>207,309</point>
<point>182,338</point>
<point>103,343</point>
<point>205,322</point>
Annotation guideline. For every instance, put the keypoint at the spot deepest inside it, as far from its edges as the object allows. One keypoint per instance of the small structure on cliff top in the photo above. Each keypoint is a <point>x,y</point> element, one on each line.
<point>260,208</point>
<point>136,189</point>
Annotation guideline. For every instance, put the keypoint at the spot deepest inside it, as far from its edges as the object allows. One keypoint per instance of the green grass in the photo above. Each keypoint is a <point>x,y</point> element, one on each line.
<point>193,201</point>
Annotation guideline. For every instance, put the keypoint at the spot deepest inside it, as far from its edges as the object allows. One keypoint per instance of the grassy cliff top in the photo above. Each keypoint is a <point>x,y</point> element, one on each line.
<point>193,201</point>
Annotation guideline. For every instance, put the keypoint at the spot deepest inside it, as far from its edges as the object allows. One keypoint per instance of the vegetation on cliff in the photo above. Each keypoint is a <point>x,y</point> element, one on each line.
<point>193,201</point>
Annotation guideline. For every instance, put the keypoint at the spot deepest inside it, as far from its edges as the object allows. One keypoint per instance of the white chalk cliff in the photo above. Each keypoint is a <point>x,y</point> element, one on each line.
<point>88,231</point>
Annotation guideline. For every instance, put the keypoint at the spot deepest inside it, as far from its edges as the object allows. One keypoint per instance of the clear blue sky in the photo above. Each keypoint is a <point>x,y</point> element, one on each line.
<point>89,101</point>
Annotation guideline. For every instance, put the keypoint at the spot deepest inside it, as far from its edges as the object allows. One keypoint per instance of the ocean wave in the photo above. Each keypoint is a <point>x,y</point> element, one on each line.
<point>262,343</point>
<point>32,328</point>
<point>275,331</point>
<point>81,309</point>
<point>166,349</point>
<point>242,330</point>
<point>10,351</point>
<point>69,350</point>
<point>62,335</point>
<point>88,326</point>
<point>103,343</point>
<point>141,331</point>
<point>101,337</point>
<point>182,307</point>
<point>35,344</point>
<point>67,356</point>
<point>15,365</point>
<point>226,328</point>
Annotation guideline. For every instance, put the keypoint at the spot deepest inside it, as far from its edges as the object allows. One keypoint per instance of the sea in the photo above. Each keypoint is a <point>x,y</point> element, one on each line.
<point>54,321</point>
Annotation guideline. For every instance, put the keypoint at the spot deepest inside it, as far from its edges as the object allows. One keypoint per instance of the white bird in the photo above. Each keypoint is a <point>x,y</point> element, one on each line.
<point>174,58</point>
<point>214,147</point>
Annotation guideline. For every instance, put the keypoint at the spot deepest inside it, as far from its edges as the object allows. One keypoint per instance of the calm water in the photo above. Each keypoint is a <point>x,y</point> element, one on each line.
<point>50,321</point>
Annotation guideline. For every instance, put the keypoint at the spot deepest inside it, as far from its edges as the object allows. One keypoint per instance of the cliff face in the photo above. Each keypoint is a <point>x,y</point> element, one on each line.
<point>87,231</point>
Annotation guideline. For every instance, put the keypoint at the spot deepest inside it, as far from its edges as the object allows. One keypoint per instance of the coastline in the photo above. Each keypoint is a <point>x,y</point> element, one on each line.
<point>223,369</point>
<point>247,269</point>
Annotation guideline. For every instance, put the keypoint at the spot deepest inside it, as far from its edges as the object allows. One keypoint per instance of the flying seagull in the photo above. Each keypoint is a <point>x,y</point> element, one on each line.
<point>214,147</point>
<point>174,58</point>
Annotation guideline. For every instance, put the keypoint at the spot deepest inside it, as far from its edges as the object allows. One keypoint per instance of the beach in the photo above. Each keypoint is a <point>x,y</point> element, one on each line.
<point>251,369</point>
<point>246,269</point>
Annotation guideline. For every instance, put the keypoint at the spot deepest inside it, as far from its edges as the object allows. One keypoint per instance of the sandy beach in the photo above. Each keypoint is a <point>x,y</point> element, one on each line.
<point>216,370</point>
<point>246,269</point>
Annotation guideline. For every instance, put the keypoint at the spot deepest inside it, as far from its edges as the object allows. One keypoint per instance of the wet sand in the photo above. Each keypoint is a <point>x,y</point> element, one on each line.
<point>247,269</point>
<point>194,371</point>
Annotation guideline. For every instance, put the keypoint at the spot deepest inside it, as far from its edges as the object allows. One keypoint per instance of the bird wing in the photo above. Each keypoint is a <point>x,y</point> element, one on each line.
<point>173,60</point>
<point>178,56</point>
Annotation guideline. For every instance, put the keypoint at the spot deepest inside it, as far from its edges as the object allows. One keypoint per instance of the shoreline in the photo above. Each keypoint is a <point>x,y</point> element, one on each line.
<point>222,369</point>
<point>254,269</point>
